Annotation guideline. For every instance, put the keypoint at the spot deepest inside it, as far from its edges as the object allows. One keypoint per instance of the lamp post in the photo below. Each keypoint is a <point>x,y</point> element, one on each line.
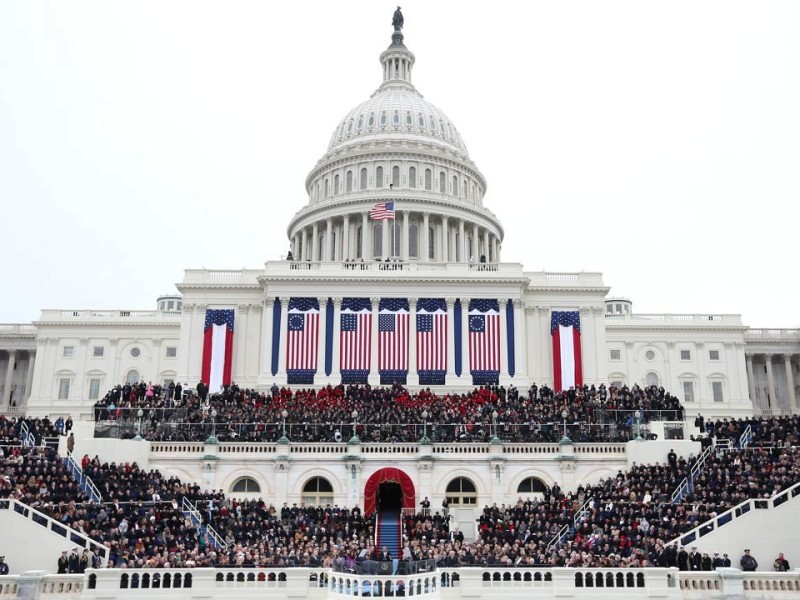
<point>283,439</point>
<point>139,415</point>
<point>212,439</point>
<point>639,437</point>
<point>425,439</point>
<point>644,525</point>
<point>495,439</point>
<point>565,439</point>
<point>354,439</point>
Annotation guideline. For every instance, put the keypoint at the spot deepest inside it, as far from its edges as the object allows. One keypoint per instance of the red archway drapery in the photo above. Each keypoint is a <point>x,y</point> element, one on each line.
<point>388,475</point>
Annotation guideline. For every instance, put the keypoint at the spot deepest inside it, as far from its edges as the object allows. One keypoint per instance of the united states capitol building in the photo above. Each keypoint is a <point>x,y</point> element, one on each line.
<point>440,255</point>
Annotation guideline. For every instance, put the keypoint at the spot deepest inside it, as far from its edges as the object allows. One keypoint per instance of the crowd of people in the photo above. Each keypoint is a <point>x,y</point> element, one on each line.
<point>628,520</point>
<point>383,414</point>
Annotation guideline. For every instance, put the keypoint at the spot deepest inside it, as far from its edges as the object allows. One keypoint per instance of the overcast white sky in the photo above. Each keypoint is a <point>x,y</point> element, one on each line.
<point>657,142</point>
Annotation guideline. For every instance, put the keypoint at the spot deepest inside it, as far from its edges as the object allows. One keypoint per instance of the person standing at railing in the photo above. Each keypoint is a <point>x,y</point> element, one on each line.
<point>3,566</point>
<point>747,562</point>
<point>781,564</point>
<point>71,443</point>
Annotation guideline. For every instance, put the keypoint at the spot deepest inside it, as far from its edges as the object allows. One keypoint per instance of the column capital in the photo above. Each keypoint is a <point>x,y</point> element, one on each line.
<point>323,301</point>
<point>268,301</point>
<point>243,308</point>
<point>451,302</point>
<point>502,302</point>
<point>188,307</point>
<point>464,302</point>
<point>375,299</point>
<point>337,301</point>
<point>84,341</point>
<point>768,356</point>
<point>256,308</point>
<point>412,302</point>
<point>113,341</point>
<point>517,302</point>
<point>598,310</point>
<point>156,342</point>
<point>285,301</point>
<point>200,307</point>
<point>544,310</point>
<point>426,214</point>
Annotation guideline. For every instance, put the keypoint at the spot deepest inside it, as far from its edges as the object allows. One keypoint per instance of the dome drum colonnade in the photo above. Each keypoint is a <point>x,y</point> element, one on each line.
<point>396,147</point>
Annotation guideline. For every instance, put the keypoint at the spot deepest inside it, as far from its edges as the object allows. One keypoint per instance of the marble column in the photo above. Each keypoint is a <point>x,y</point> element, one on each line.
<point>486,244</point>
<point>315,242</point>
<point>772,397</point>
<point>404,248</point>
<point>366,242</point>
<point>29,374</point>
<point>787,361</point>
<point>473,251</point>
<point>327,251</point>
<point>445,239</point>
<point>751,380</point>
<point>304,255</point>
<point>12,358</point>
<point>346,252</point>
<point>413,376</point>
<point>462,244</point>
<point>425,253</point>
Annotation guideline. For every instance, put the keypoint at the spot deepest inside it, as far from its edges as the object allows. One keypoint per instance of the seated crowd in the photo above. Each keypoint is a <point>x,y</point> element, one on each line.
<point>384,414</point>
<point>142,521</point>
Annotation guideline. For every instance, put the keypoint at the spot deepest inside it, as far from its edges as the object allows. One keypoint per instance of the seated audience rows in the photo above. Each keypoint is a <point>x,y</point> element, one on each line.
<point>389,414</point>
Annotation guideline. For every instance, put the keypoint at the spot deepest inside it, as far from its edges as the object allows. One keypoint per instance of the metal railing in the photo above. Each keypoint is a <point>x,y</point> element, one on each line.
<point>197,519</point>
<point>84,481</point>
<point>685,486</point>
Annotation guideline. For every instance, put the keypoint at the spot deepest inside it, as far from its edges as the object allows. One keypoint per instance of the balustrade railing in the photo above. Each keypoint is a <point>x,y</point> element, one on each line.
<point>84,481</point>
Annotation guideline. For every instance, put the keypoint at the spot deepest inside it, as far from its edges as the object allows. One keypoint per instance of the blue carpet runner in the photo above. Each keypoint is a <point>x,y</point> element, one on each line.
<point>389,532</point>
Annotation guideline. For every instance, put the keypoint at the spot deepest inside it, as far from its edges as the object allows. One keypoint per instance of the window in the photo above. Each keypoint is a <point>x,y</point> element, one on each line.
<point>649,355</point>
<point>136,352</point>
<point>69,351</point>
<point>132,376</point>
<point>688,391</point>
<point>349,181</point>
<point>412,177</point>
<point>327,188</point>
<point>455,185</point>
<point>615,355</point>
<point>98,351</point>
<point>461,491</point>
<point>428,179</point>
<point>442,183</point>
<point>686,355</point>
<point>651,379</point>
<point>63,389</point>
<point>172,351</point>
<point>363,184</point>
<point>379,177</point>
<point>336,184</point>
<point>716,391</point>
<point>245,485</point>
<point>531,485</point>
<point>396,177</point>
<point>713,355</point>
<point>317,491</point>
<point>94,389</point>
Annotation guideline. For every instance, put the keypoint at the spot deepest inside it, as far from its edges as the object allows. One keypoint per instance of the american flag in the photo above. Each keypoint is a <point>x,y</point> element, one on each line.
<point>217,362</point>
<point>393,322</point>
<point>355,336</point>
<point>484,337</point>
<point>302,340</point>
<point>381,211</point>
<point>565,327</point>
<point>431,335</point>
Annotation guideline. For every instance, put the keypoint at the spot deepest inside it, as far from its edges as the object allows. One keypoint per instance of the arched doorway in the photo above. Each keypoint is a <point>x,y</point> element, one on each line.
<point>393,486</point>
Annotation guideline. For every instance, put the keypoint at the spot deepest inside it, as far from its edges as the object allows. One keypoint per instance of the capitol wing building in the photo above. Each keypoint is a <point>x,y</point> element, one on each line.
<point>396,276</point>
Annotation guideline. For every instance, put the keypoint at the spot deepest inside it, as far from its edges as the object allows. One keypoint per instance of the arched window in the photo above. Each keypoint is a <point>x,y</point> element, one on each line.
<point>464,188</point>
<point>455,185</point>
<point>360,242</point>
<point>379,177</point>
<point>442,182</point>
<point>336,184</point>
<point>461,491</point>
<point>431,243</point>
<point>317,491</point>
<point>428,179</point>
<point>531,485</point>
<point>651,379</point>
<point>245,485</point>
<point>363,184</point>
<point>377,240</point>
<point>413,241</point>
<point>349,181</point>
<point>327,188</point>
<point>132,376</point>
<point>396,176</point>
<point>412,177</point>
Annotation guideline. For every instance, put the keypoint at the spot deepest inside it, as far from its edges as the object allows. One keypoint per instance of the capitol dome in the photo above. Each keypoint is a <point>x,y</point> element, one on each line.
<point>396,150</point>
<point>397,111</point>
